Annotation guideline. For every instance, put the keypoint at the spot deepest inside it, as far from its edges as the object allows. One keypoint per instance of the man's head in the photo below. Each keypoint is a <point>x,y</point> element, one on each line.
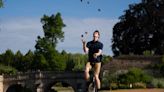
<point>96,35</point>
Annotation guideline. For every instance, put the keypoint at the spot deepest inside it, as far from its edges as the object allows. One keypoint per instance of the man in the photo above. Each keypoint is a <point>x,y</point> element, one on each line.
<point>94,50</point>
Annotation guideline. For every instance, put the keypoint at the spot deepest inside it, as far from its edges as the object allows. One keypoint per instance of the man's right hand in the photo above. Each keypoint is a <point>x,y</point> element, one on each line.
<point>83,41</point>
<point>84,46</point>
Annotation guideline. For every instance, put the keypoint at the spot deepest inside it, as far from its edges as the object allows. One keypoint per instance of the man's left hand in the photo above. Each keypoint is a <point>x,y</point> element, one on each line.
<point>95,55</point>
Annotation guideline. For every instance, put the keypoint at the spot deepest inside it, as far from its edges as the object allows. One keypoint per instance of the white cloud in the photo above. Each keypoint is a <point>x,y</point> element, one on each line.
<point>21,33</point>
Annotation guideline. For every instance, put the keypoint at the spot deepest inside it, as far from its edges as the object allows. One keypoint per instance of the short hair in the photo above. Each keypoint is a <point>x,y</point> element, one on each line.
<point>96,31</point>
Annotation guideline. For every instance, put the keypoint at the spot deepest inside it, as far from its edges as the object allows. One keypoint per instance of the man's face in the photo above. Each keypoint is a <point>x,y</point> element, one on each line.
<point>95,36</point>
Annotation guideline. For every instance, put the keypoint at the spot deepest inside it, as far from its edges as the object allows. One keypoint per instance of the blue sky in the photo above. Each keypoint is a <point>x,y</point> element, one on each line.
<point>20,22</point>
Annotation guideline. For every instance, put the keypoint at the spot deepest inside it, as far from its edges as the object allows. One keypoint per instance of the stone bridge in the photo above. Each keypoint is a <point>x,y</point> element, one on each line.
<point>42,81</point>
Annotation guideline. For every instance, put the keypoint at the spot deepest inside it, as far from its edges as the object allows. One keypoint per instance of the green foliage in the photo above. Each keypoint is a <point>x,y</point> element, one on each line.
<point>139,85</point>
<point>145,78</point>
<point>1,3</point>
<point>69,63</point>
<point>18,59</point>
<point>106,59</point>
<point>160,67</point>
<point>46,46</point>
<point>108,80</point>
<point>76,62</point>
<point>59,63</point>
<point>46,51</point>
<point>147,53</point>
<point>27,61</point>
<point>39,63</point>
<point>134,75</point>
<point>79,61</point>
<point>7,58</point>
<point>7,69</point>
<point>35,61</point>
<point>140,29</point>
<point>52,27</point>
<point>158,82</point>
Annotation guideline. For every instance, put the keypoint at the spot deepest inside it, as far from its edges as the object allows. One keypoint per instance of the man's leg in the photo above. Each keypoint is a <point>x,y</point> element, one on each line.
<point>96,74</point>
<point>87,69</point>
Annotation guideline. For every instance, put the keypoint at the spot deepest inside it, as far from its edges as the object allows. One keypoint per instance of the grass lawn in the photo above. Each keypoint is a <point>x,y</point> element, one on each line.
<point>136,90</point>
<point>69,89</point>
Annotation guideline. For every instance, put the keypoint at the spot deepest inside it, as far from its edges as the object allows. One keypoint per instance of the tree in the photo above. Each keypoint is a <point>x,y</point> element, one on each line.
<point>75,62</point>
<point>18,61</point>
<point>79,61</point>
<point>39,63</point>
<point>27,61</point>
<point>59,63</point>
<point>46,46</point>
<point>1,3</point>
<point>8,58</point>
<point>140,29</point>
<point>52,27</point>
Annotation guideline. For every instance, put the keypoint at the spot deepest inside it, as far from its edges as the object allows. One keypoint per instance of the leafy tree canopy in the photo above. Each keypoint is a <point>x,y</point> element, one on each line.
<point>140,29</point>
<point>45,46</point>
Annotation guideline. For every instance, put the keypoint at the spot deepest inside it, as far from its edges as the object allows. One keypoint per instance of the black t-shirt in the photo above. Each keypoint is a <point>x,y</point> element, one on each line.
<point>94,47</point>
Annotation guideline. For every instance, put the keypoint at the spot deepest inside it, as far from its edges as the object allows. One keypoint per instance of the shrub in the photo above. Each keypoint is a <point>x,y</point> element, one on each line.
<point>134,75</point>
<point>109,81</point>
<point>123,86</point>
<point>7,69</point>
<point>139,85</point>
<point>158,83</point>
<point>147,53</point>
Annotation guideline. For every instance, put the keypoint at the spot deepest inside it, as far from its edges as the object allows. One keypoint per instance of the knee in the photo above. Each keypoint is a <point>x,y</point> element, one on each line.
<point>86,75</point>
<point>96,76</point>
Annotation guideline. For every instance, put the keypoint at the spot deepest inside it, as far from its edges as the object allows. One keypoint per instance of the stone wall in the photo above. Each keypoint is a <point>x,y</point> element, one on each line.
<point>126,62</point>
<point>1,83</point>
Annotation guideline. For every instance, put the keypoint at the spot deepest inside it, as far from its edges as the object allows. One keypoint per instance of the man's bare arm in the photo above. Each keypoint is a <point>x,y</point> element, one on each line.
<point>85,49</point>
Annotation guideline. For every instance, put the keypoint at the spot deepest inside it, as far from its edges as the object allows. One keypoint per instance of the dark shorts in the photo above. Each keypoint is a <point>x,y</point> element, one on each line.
<point>95,60</point>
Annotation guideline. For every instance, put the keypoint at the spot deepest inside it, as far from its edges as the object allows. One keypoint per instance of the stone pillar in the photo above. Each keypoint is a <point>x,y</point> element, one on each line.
<point>1,83</point>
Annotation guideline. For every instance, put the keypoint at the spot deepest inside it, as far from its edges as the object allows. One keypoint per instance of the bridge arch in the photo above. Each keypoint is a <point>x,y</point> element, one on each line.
<point>42,81</point>
<point>17,88</point>
<point>54,82</point>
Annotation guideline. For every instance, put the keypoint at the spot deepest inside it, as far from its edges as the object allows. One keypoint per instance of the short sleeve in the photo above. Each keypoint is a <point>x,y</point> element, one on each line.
<point>101,46</point>
<point>88,44</point>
